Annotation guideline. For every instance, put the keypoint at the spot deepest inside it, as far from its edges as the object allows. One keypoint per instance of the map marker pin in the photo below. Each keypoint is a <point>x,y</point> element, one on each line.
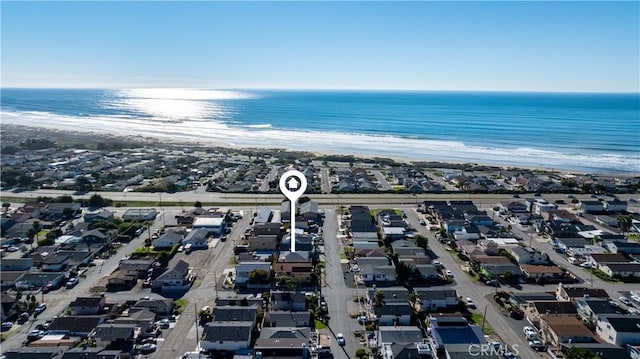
<point>293,184</point>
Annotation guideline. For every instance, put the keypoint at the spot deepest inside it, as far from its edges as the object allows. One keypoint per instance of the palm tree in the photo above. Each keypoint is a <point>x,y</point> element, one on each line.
<point>625,221</point>
<point>414,298</point>
<point>378,298</point>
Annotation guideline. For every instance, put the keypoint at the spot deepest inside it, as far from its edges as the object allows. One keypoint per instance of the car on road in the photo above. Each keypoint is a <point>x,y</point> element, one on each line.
<point>625,300</point>
<point>39,309</point>
<point>340,339</point>
<point>528,329</point>
<point>13,249</point>
<point>492,283</point>
<point>587,265</point>
<point>536,345</point>
<point>147,348</point>
<point>614,304</point>
<point>509,355</point>
<point>72,282</point>
<point>470,303</point>
<point>48,288</point>
<point>635,298</point>
<point>6,326</point>
<point>448,273</point>
<point>516,196</point>
<point>36,334</point>
<point>633,311</point>
<point>423,222</point>
<point>139,231</point>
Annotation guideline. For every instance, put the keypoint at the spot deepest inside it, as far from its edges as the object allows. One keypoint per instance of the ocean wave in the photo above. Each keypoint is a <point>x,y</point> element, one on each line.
<point>263,125</point>
<point>260,136</point>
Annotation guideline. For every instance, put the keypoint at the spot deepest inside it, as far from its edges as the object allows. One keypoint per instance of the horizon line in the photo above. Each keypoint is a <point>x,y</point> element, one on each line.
<point>318,89</point>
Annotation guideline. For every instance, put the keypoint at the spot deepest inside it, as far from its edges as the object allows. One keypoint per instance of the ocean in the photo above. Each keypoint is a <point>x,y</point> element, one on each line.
<point>582,132</point>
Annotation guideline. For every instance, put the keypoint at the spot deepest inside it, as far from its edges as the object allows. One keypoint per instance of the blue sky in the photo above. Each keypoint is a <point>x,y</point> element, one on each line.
<point>544,46</point>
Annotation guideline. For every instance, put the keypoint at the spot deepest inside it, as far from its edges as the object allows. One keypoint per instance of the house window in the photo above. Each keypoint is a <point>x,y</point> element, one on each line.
<point>610,337</point>
<point>608,326</point>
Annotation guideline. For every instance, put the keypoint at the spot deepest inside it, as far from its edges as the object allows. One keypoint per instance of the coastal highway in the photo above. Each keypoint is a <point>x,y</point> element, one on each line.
<point>249,199</point>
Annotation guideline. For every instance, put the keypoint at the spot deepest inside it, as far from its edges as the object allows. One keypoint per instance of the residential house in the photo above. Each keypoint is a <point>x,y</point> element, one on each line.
<point>116,335</point>
<point>29,280</point>
<point>9,306</point>
<point>527,255</point>
<point>16,264</point>
<point>540,272</point>
<point>619,329</point>
<point>615,205</point>
<point>591,207</point>
<point>263,242</point>
<point>244,270</point>
<point>622,270</point>
<point>161,307</point>
<point>288,300</point>
<point>167,240</point>
<point>566,293</point>
<point>144,319</point>
<point>229,313</point>
<point>426,272</point>
<point>388,294</point>
<point>98,215</point>
<point>216,225</point>
<point>283,318</point>
<point>538,309</point>
<point>283,342</point>
<point>198,238</point>
<point>622,247</point>
<point>602,350</point>
<point>394,342</point>
<point>296,265</point>
<point>599,259</point>
<point>33,352</point>
<point>590,309</point>
<point>122,280</point>
<point>87,305</point>
<point>434,300</point>
<point>56,210</point>
<point>566,244</point>
<point>175,280</point>
<point>378,274</point>
<point>140,266</point>
<point>524,300</point>
<point>54,263</point>
<point>92,353</point>
<point>393,314</point>
<point>227,336</point>
<point>447,330</point>
<point>565,329</point>
<point>75,325</point>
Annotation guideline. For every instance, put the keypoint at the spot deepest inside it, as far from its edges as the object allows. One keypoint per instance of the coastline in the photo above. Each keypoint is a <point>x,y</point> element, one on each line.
<point>91,136</point>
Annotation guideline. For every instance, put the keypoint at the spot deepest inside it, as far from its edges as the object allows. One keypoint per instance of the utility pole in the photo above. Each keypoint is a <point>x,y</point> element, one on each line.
<point>484,317</point>
<point>215,283</point>
<point>195,309</point>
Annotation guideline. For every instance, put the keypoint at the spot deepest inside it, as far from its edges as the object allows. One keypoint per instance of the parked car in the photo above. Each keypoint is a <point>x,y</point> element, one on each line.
<point>35,335</point>
<point>139,231</point>
<point>572,260</point>
<point>470,303</point>
<point>625,300</point>
<point>492,283</point>
<point>340,339</point>
<point>6,326</point>
<point>536,345</point>
<point>449,273</point>
<point>39,309</point>
<point>147,348</point>
<point>72,282</point>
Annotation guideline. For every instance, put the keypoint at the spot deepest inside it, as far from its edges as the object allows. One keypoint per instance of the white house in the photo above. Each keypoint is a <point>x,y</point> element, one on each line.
<point>393,313</point>
<point>215,225</point>
<point>434,300</point>
<point>619,329</point>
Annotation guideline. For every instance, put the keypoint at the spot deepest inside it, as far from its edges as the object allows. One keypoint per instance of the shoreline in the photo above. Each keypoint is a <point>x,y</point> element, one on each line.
<point>92,136</point>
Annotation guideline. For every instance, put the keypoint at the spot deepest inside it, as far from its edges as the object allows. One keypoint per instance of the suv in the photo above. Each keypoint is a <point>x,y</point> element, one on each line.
<point>340,339</point>
<point>72,282</point>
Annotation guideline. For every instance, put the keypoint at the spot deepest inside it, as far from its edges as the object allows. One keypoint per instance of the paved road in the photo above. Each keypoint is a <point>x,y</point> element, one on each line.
<point>326,180</point>
<point>264,187</point>
<point>384,184</point>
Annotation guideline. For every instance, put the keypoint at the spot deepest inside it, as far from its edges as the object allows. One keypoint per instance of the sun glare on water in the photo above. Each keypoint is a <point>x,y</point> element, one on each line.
<point>174,104</point>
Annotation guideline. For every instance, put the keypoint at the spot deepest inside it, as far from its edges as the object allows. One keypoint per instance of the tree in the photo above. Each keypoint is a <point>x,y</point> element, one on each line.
<point>414,298</point>
<point>404,272</point>
<point>625,221</point>
<point>378,298</point>
<point>198,204</point>
<point>5,206</point>
<point>96,201</point>
<point>258,276</point>
<point>83,184</point>
<point>422,241</point>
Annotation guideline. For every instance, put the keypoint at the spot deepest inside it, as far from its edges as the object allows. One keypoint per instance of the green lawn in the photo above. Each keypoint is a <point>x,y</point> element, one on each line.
<point>477,318</point>
<point>319,325</point>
